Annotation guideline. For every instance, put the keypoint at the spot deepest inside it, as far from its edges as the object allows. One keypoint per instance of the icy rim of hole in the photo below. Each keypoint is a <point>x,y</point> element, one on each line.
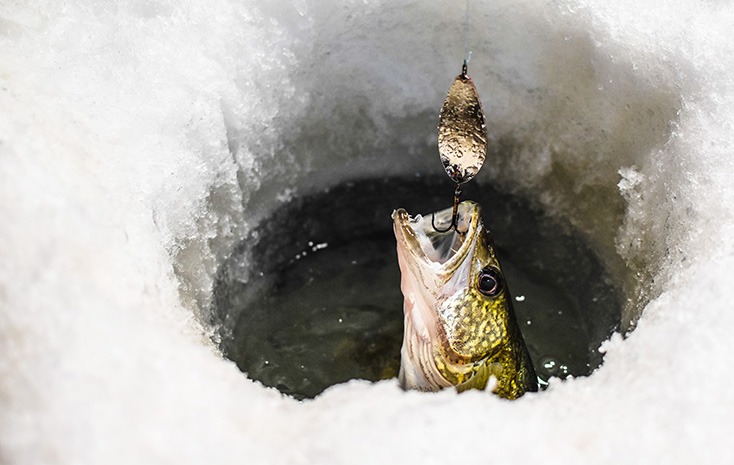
<point>141,137</point>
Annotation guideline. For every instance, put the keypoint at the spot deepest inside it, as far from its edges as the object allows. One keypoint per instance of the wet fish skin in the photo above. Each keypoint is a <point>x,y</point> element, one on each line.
<point>455,334</point>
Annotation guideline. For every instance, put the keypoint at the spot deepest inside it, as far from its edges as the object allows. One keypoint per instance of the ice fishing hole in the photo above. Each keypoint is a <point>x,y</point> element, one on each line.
<point>312,297</point>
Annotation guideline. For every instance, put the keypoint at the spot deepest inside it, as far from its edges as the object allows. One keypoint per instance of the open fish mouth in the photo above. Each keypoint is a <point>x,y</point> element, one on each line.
<point>426,246</point>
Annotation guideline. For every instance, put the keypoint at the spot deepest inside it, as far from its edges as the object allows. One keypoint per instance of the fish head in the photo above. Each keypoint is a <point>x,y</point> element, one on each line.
<point>459,324</point>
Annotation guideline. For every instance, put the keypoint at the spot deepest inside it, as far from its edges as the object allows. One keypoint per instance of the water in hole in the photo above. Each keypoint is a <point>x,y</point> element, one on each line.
<point>312,298</point>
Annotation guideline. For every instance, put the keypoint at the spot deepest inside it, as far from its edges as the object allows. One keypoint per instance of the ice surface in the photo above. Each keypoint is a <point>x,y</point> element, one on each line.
<point>140,139</point>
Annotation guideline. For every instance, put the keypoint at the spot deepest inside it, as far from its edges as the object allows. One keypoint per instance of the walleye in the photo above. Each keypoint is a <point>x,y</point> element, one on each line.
<point>460,328</point>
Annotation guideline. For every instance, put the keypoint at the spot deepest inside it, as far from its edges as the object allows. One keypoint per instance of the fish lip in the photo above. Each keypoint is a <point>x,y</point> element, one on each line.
<point>403,225</point>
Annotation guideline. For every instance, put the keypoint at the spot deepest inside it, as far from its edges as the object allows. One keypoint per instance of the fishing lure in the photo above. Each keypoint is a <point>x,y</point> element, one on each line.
<point>462,136</point>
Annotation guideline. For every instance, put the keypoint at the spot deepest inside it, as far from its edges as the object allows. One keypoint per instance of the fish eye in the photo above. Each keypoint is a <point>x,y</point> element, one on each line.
<point>490,281</point>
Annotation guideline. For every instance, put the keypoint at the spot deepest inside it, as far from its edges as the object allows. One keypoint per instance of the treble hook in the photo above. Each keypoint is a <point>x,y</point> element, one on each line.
<point>454,215</point>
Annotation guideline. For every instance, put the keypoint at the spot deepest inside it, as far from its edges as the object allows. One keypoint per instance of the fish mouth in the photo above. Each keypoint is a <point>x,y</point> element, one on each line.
<point>440,251</point>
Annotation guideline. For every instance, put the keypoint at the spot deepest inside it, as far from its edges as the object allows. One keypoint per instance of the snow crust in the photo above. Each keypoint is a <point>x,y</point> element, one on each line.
<point>139,140</point>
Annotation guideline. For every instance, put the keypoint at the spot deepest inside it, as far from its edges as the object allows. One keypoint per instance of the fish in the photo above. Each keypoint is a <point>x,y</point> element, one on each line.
<point>460,327</point>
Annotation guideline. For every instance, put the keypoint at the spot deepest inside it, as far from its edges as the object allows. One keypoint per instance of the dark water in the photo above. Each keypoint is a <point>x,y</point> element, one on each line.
<point>323,304</point>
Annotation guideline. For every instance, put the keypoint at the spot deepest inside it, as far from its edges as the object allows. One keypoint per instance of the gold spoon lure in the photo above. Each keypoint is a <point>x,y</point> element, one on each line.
<point>462,136</point>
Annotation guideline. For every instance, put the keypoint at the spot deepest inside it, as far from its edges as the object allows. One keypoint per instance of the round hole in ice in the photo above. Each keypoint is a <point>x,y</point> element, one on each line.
<point>574,126</point>
<point>110,114</point>
<point>320,302</point>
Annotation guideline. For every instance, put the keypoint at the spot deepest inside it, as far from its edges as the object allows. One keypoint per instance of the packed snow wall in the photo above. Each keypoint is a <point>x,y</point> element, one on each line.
<point>139,141</point>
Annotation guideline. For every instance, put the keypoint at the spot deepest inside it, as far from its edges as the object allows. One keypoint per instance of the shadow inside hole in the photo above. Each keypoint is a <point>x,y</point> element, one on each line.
<point>312,298</point>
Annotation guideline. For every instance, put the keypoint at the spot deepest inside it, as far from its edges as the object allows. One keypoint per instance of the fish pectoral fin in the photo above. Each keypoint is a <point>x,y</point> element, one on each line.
<point>485,377</point>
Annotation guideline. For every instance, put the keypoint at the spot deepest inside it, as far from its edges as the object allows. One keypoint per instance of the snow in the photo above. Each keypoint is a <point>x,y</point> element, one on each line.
<point>139,140</point>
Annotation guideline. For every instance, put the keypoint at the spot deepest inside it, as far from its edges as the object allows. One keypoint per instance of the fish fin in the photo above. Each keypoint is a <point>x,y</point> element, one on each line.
<point>484,378</point>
